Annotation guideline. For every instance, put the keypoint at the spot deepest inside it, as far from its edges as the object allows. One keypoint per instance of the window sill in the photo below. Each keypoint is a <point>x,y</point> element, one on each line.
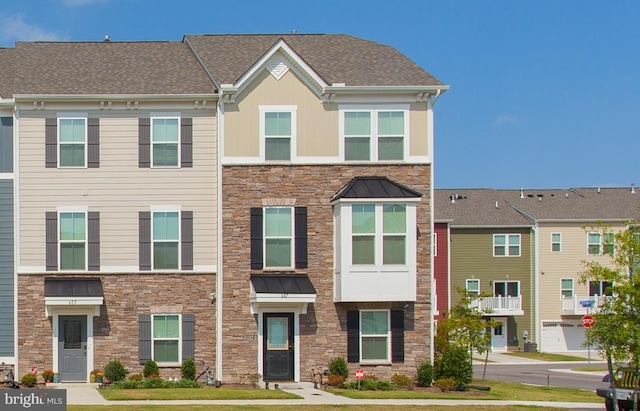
<point>375,363</point>
<point>169,365</point>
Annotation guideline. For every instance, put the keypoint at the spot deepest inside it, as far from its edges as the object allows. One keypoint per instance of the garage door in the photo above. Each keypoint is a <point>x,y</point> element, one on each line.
<point>562,336</point>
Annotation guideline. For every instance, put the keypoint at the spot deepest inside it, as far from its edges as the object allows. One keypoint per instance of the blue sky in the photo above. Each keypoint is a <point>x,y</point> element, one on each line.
<point>544,94</point>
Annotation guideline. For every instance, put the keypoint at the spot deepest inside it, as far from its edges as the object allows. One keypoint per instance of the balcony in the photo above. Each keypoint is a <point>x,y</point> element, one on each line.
<point>581,305</point>
<point>499,306</point>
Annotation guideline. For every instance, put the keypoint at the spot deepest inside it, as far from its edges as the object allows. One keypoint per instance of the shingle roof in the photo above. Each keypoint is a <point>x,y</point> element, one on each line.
<point>374,187</point>
<point>337,58</point>
<point>6,72</point>
<point>476,207</point>
<point>108,68</point>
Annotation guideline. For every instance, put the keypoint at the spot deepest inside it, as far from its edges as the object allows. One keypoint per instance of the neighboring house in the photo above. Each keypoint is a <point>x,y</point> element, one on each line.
<point>441,274</point>
<point>262,203</point>
<point>116,204</point>
<point>326,152</point>
<point>566,224</point>
<point>491,252</point>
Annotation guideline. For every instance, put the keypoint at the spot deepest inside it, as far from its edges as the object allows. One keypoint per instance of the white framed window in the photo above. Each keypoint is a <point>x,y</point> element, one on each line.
<point>374,134</point>
<point>165,141</point>
<point>166,343</point>
<point>379,234</point>
<point>72,141</point>
<point>277,132</point>
<point>73,240</point>
<point>166,240</point>
<point>506,288</point>
<point>506,245</point>
<point>473,287</point>
<point>608,243</point>
<point>375,336</point>
<point>566,287</point>
<point>556,242</point>
<point>278,237</point>
<point>594,246</point>
<point>600,288</point>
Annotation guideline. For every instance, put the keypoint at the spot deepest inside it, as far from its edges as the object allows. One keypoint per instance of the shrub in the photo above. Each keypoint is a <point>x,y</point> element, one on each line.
<point>338,366</point>
<point>114,371</point>
<point>425,374</point>
<point>127,384</point>
<point>156,383</point>
<point>454,363</point>
<point>401,380</point>
<point>446,384</point>
<point>188,369</point>
<point>150,368</point>
<point>185,383</point>
<point>29,380</point>
<point>136,377</point>
<point>336,380</point>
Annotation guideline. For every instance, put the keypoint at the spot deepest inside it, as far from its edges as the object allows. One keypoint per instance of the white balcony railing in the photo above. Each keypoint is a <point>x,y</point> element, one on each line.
<point>580,305</point>
<point>496,306</point>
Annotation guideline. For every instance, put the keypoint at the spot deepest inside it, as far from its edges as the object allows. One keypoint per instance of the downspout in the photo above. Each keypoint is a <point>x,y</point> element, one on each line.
<point>219,274</point>
<point>536,287</point>
<point>16,232</point>
<point>430,103</point>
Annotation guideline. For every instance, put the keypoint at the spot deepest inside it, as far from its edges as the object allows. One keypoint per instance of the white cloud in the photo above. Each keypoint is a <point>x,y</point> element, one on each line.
<point>505,119</point>
<point>14,28</point>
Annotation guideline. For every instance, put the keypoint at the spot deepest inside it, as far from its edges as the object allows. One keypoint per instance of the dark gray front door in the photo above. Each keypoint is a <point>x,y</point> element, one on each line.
<point>278,347</point>
<point>72,347</point>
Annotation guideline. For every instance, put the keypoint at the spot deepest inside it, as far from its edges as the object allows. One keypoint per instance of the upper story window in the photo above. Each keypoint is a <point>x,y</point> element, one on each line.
<point>506,245</point>
<point>166,240</point>
<point>72,141</point>
<point>506,288</point>
<point>556,242</point>
<point>473,287</point>
<point>598,243</point>
<point>277,132</point>
<point>600,288</point>
<point>278,237</point>
<point>73,241</point>
<point>379,234</point>
<point>593,243</point>
<point>374,134</point>
<point>165,141</point>
<point>566,287</point>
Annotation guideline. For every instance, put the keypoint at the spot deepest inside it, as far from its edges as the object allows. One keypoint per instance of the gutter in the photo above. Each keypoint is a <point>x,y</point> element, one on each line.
<point>219,255</point>
<point>114,97</point>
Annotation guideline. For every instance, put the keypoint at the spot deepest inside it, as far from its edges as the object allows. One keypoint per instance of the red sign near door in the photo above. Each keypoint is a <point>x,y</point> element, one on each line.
<point>588,321</point>
<point>359,374</point>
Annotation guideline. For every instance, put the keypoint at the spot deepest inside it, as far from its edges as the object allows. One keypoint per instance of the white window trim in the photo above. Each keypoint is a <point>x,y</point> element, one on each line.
<point>165,116</point>
<point>292,238</point>
<point>165,209</point>
<point>373,144</point>
<point>556,242</point>
<point>263,110</point>
<point>599,244</point>
<point>72,116</point>
<point>379,234</point>
<point>573,293</point>
<point>153,340</point>
<point>472,280</point>
<point>506,251</point>
<point>506,288</point>
<point>80,210</point>
<point>361,336</point>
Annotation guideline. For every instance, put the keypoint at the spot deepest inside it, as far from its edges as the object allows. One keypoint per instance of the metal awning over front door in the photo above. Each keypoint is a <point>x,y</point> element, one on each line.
<point>281,290</point>
<point>73,292</point>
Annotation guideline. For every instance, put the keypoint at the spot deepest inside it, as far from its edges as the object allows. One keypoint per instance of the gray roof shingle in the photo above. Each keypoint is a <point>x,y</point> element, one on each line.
<point>337,58</point>
<point>6,72</point>
<point>108,68</point>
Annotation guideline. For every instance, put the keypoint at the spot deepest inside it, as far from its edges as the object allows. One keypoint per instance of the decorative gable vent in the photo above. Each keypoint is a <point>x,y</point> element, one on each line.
<point>278,67</point>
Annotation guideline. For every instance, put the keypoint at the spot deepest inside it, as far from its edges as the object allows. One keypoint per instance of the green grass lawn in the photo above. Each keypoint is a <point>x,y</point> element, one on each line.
<point>302,408</point>
<point>542,356</point>
<point>164,394</point>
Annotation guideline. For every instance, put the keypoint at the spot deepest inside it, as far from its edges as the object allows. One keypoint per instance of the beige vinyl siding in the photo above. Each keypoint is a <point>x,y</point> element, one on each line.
<point>118,189</point>
<point>565,264</point>
<point>418,130</point>
<point>472,257</point>
<point>317,125</point>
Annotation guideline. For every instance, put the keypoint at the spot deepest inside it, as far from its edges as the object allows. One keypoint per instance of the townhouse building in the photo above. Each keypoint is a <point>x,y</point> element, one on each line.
<point>260,203</point>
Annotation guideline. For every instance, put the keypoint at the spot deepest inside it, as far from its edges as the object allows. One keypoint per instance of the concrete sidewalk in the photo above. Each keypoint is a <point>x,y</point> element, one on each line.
<point>506,358</point>
<point>87,394</point>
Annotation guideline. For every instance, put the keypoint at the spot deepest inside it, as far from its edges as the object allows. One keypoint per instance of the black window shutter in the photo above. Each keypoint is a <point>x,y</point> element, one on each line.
<point>187,239</point>
<point>188,336</point>
<point>256,238</point>
<point>93,251</point>
<point>353,336</point>
<point>144,338</point>
<point>186,143</point>
<point>93,143</point>
<point>51,224</point>
<point>397,336</point>
<point>301,237</point>
<point>51,142</point>
<point>144,142</point>
<point>144,240</point>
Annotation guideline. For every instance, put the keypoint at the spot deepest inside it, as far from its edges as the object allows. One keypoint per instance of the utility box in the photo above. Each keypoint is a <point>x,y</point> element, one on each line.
<point>530,347</point>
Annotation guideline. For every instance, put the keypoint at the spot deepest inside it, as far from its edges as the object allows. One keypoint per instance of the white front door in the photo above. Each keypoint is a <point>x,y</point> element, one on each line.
<point>499,335</point>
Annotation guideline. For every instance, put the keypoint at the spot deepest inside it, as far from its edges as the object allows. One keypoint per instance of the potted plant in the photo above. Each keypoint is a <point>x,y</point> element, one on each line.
<point>99,377</point>
<point>47,375</point>
<point>93,374</point>
<point>56,377</point>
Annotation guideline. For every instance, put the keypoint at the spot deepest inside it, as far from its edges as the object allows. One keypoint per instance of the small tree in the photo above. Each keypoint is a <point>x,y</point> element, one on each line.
<point>115,371</point>
<point>150,369</point>
<point>338,366</point>
<point>188,369</point>
<point>616,332</point>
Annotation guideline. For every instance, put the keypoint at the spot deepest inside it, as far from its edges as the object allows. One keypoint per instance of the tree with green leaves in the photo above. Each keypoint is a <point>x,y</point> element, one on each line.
<point>616,332</point>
